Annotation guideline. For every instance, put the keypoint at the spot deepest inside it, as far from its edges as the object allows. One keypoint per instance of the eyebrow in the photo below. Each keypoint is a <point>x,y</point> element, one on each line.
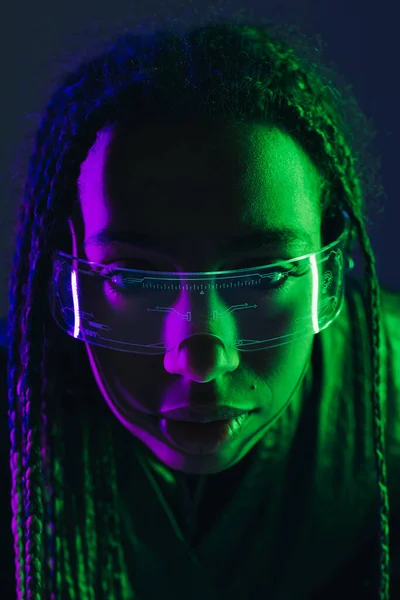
<point>252,241</point>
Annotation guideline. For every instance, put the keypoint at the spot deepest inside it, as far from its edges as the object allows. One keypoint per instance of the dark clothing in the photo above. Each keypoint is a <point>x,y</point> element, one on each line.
<point>299,524</point>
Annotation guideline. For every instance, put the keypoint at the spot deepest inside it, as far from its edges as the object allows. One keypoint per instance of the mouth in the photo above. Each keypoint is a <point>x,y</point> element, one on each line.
<point>203,437</point>
<point>204,415</point>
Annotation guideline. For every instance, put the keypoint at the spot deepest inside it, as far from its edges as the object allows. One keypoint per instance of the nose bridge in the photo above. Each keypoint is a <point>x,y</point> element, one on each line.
<point>201,302</point>
<point>199,310</point>
<point>201,357</point>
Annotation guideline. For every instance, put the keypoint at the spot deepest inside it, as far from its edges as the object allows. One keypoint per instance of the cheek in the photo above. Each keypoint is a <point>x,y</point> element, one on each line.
<point>280,368</point>
<point>142,381</point>
<point>139,378</point>
<point>277,361</point>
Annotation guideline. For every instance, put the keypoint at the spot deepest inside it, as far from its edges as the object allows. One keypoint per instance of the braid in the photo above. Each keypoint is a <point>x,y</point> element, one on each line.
<point>31,432</point>
<point>16,499</point>
<point>49,562</point>
<point>80,560</point>
<point>105,581</point>
<point>379,418</point>
<point>118,572</point>
<point>226,71</point>
<point>66,583</point>
<point>55,512</point>
<point>90,517</point>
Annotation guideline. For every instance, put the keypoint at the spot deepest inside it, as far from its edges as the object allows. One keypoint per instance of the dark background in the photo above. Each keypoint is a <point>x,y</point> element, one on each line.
<point>40,40</point>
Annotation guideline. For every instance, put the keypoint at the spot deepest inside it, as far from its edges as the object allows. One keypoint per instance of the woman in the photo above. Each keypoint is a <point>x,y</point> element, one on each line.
<point>183,253</point>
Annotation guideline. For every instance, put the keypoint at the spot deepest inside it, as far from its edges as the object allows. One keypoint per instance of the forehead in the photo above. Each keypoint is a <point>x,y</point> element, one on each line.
<point>193,182</point>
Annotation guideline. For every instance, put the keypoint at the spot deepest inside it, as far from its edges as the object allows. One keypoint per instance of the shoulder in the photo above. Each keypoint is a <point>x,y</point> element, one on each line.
<point>391,321</point>
<point>346,372</point>
<point>390,301</point>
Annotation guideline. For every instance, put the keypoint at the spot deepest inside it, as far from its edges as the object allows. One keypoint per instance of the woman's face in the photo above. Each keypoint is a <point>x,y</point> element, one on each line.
<point>193,188</point>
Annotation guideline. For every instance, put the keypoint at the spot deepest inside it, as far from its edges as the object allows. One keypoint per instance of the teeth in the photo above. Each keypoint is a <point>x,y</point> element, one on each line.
<point>237,423</point>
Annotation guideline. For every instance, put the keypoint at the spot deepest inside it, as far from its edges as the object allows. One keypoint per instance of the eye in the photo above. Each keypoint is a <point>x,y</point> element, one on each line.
<point>141,264</point>
<point>256,261</point>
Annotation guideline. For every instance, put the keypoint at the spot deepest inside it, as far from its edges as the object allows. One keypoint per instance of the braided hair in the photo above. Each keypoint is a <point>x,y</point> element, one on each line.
<point>232,72</point>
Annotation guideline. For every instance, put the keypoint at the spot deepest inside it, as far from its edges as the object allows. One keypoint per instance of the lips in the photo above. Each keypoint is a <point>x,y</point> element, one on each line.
<point>203,438</point>
<point>203,415</point>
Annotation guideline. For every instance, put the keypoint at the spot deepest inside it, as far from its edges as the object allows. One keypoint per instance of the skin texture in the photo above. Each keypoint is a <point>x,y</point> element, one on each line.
<point>192,186</point>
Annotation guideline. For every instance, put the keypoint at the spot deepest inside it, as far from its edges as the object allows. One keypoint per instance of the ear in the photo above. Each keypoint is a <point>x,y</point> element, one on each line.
<point>331,229</point>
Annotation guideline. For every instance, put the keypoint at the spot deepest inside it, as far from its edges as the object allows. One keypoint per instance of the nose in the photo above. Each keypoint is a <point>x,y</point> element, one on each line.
<point>201,358</point>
